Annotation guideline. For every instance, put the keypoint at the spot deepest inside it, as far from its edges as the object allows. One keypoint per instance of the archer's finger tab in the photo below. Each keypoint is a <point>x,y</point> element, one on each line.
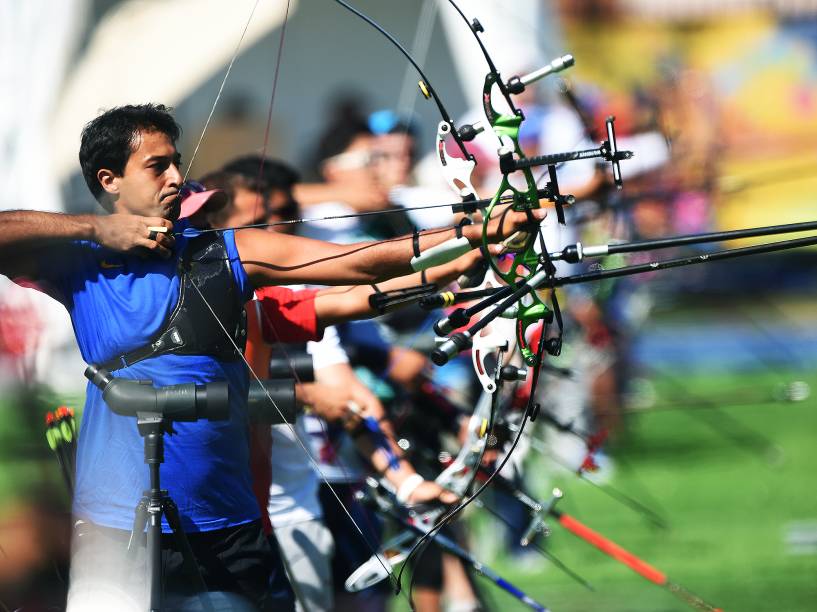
<point>155,230</point>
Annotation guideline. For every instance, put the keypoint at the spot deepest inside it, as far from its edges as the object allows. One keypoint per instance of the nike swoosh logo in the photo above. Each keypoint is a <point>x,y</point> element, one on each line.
<point>105,265</point>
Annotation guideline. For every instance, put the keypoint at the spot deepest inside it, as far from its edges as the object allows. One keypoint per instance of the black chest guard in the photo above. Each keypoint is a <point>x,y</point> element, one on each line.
<point>194,327</point>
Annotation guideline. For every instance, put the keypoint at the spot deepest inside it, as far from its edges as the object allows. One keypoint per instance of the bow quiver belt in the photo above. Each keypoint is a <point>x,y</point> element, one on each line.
<point>192,328</point>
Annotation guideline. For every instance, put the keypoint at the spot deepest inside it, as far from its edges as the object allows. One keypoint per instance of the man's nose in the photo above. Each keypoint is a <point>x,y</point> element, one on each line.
<point>175,176</point>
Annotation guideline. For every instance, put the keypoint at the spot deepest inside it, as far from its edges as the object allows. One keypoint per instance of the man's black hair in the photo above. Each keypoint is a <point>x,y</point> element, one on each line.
<point>263,174</point>
<point>109,140</point>
<point>346,122</point>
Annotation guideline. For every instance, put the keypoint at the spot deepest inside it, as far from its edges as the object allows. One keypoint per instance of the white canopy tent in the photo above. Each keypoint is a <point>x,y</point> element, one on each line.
<point>148,50</point>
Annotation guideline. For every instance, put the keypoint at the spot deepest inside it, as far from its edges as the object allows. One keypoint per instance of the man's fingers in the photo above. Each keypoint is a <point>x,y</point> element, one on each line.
<point>429,490</point>
<point>160,245</point>
<point>165,240</point>
<point>354,414</point>
<point>448,497</point>
<point>160,238</point>
<point>154,231</point>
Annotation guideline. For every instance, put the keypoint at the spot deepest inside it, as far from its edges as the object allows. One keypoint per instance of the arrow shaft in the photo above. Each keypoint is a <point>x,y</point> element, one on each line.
<point>638,565</point>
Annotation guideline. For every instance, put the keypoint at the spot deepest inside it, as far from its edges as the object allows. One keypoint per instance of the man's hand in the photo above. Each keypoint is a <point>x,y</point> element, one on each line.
<point>332,403</point>
<point>449,272</point>
<point>429,491</point>
<point>505,222</point>
<point>362,193</point>
<point>132,233</point>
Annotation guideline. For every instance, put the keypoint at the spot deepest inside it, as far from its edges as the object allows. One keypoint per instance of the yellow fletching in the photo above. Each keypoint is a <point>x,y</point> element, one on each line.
<point>483,429</point>
<point>66,432</point>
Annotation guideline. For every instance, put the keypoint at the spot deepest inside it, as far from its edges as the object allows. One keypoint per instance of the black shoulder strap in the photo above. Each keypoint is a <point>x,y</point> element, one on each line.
<point>208,300</point>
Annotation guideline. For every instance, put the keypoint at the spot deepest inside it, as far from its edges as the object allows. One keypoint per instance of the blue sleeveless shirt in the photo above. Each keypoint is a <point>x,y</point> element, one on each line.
<point>117,303</point>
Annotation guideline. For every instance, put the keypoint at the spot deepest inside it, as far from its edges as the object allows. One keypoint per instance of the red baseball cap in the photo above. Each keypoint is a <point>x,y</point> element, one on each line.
<point>195,197</point>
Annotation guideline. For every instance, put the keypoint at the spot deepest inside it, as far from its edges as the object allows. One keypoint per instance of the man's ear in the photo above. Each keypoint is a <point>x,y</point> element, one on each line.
<point>109,181</point>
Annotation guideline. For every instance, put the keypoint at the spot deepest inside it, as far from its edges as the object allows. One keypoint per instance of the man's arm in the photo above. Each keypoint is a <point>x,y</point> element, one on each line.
<point>336,305</point>
<point>26,232</point>
<point>282,259</point>
<point>361,195</point>
<point>341,383</point>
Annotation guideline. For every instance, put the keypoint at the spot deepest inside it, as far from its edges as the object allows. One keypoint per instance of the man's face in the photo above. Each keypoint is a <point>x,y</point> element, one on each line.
<point>354,164</point>
<point>150,184</point>
<point>392,159</point>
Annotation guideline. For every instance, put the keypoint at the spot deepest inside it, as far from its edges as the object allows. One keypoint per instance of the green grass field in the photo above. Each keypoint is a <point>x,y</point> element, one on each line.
<point>731,483</point>
<point>729,495</point>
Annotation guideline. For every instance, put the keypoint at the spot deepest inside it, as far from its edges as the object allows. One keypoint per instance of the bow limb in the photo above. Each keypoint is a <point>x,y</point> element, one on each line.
<point>456,170</point>
<point>457,476</point>
<point>416,524</point>
<point>525,259</point>
<point>492,351</point>
<point>425,85</point>
<point>471,453</point>
<point>461,473</point>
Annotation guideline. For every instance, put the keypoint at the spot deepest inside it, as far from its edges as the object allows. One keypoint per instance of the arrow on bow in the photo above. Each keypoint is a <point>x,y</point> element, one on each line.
<point>539,511</point>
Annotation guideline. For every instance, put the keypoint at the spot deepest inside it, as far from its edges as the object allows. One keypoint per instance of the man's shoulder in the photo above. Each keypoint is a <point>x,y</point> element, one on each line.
<point>68,259</point>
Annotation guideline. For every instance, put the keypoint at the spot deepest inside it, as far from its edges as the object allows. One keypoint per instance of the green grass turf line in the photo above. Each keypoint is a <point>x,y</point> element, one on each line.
<point>728,512</point>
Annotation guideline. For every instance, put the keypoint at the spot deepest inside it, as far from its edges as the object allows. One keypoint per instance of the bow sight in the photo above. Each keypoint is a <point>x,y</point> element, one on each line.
<point>608,151</point>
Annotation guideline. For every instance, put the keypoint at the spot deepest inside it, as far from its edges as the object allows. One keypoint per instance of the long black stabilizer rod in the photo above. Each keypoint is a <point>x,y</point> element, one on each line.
<point>771,247</point>
<point>577,252</point>
<point>588,277</point>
